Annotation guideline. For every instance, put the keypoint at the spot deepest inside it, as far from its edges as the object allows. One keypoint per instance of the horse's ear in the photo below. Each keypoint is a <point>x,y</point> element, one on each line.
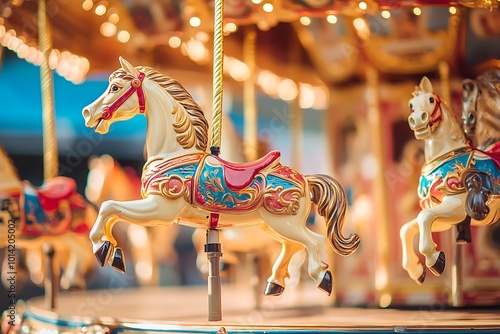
<point>425,85</point>
<point>128,67</point>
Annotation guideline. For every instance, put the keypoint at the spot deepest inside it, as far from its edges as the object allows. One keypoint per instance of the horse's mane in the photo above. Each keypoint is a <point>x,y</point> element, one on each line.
<point>194,127</point>
<point>490,80</point>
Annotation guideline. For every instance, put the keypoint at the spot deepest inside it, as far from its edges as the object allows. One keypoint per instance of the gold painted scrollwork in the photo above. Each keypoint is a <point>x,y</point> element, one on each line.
<point>282,202</point>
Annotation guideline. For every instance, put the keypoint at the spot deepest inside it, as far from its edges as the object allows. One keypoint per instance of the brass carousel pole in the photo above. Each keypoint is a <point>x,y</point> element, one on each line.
<point>297,120</point>
<point>456,297</point>
<point>250,142</point>
<point>213,246</point>
<point>382,275</point>
<point>50,158</point>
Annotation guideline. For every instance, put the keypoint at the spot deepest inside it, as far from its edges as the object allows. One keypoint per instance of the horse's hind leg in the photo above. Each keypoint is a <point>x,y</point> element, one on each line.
<point>276,282</point>
<point>450,212</point>
<point>293,229</point>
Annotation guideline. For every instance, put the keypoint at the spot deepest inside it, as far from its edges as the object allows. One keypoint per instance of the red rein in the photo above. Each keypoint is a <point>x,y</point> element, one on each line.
<point>135,86</point>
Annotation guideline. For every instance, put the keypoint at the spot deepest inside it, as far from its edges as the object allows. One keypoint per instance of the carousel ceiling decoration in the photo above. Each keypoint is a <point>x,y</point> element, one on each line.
<point>338,36</point>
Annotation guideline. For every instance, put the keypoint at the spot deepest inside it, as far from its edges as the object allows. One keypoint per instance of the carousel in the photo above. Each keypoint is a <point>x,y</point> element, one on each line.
<point>258,166</point>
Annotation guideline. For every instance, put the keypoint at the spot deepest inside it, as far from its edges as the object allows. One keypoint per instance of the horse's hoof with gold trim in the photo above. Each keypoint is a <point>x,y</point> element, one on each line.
<point>327,283</point>
<point>103,253</point>
<point>421,279</point>
<point>118,262</point>
<point>438,267</point>
<point>273,289</point>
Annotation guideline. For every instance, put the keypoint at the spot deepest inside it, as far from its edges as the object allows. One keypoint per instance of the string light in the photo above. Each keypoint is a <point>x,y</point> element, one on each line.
<point>87,5</point>
<point>331,19</point>
<point>100,10</point>
<point>174,42</point>
<point>123,36</point>
<point>417,11</point>
<point>195,21</point>
<point>268,8</point>
<point>362,5</point>
<point>71,67</point>
<point>304,20</point>
<point>386,14</point>
<point>453,10</point>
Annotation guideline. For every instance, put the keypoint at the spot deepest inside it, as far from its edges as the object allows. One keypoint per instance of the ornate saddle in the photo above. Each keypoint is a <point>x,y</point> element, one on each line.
<point>57,189</point>
<point>239,175</point>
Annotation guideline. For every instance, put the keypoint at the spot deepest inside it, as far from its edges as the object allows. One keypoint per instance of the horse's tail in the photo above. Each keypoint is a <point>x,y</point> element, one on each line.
<point>331,203</point>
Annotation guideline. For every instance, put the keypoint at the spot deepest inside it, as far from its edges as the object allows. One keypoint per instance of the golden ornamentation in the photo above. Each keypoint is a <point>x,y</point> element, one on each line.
<point>491,5</point>
<point>287,200</point>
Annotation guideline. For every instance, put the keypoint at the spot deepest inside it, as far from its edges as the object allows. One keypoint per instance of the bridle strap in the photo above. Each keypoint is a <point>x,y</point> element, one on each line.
<point>433,119</point>
<point>135,86</point>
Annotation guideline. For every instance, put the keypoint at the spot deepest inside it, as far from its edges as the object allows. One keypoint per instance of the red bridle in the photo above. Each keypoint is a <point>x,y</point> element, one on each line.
<point>433,118</point>
<point>135,86</point>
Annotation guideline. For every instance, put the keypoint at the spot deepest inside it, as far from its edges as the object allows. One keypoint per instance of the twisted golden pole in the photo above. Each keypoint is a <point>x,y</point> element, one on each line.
<point>217,75</point>
<point>212,245</point>
<point>50,158</point>
<point>250,142</point>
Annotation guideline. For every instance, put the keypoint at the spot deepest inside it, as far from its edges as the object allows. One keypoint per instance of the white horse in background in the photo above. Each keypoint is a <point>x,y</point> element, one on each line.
<point>53,213</point>
<point>183,184</point>
<point>456,181</point>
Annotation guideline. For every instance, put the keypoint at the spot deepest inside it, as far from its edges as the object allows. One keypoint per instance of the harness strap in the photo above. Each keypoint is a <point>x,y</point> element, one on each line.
<point>439,118</point>
<point>135,86</point>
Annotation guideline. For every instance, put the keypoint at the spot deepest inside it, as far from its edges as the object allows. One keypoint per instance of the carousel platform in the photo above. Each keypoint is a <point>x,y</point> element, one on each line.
<point>185,310</point>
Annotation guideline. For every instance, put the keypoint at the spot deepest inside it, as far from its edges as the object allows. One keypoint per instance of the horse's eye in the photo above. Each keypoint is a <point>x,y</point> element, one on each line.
<point>411,106</point>
<point>114,88</point>
<point>431,99</point>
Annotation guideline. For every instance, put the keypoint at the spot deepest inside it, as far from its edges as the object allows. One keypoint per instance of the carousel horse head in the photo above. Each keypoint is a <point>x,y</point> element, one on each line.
<point>164,102</point>
<point>481,108</point>
<point>431,120</point>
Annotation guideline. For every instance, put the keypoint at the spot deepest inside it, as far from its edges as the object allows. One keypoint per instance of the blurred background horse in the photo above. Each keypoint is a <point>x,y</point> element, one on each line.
<point>53,213</point>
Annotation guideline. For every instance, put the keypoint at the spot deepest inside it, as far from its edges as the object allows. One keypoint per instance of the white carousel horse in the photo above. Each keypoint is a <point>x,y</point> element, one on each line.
<point>53,213</point>
<point>183,184</point>
<point>456,181</point>
<point>481,108</point>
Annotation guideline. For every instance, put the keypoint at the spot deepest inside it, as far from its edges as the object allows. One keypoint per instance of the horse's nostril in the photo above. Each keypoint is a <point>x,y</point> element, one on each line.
<point>86,113</point>
<point>425,117</point>
<point>411,121</point>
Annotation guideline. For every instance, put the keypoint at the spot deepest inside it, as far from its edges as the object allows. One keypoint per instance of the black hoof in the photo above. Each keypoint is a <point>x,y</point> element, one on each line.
<point>102,254</point>
<point>438,267</point>
<point>118,262</point>
<point>327,283</point>
<point>421,279</point>
<point>273,289</point>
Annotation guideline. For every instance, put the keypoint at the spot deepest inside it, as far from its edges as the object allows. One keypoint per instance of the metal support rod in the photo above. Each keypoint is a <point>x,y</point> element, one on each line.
<point>50,154</point>
<point>457,295</point>
<point>213,250</point>
<point>51,276</point>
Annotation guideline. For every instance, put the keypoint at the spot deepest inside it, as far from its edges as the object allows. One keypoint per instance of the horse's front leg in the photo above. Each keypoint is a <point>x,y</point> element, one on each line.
<point>439,218</point>
<point>410,261</point>
<point>150,211</point>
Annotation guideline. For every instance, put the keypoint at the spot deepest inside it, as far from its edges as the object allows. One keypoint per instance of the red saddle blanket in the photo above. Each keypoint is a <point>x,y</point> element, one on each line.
<point>239,175</point>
